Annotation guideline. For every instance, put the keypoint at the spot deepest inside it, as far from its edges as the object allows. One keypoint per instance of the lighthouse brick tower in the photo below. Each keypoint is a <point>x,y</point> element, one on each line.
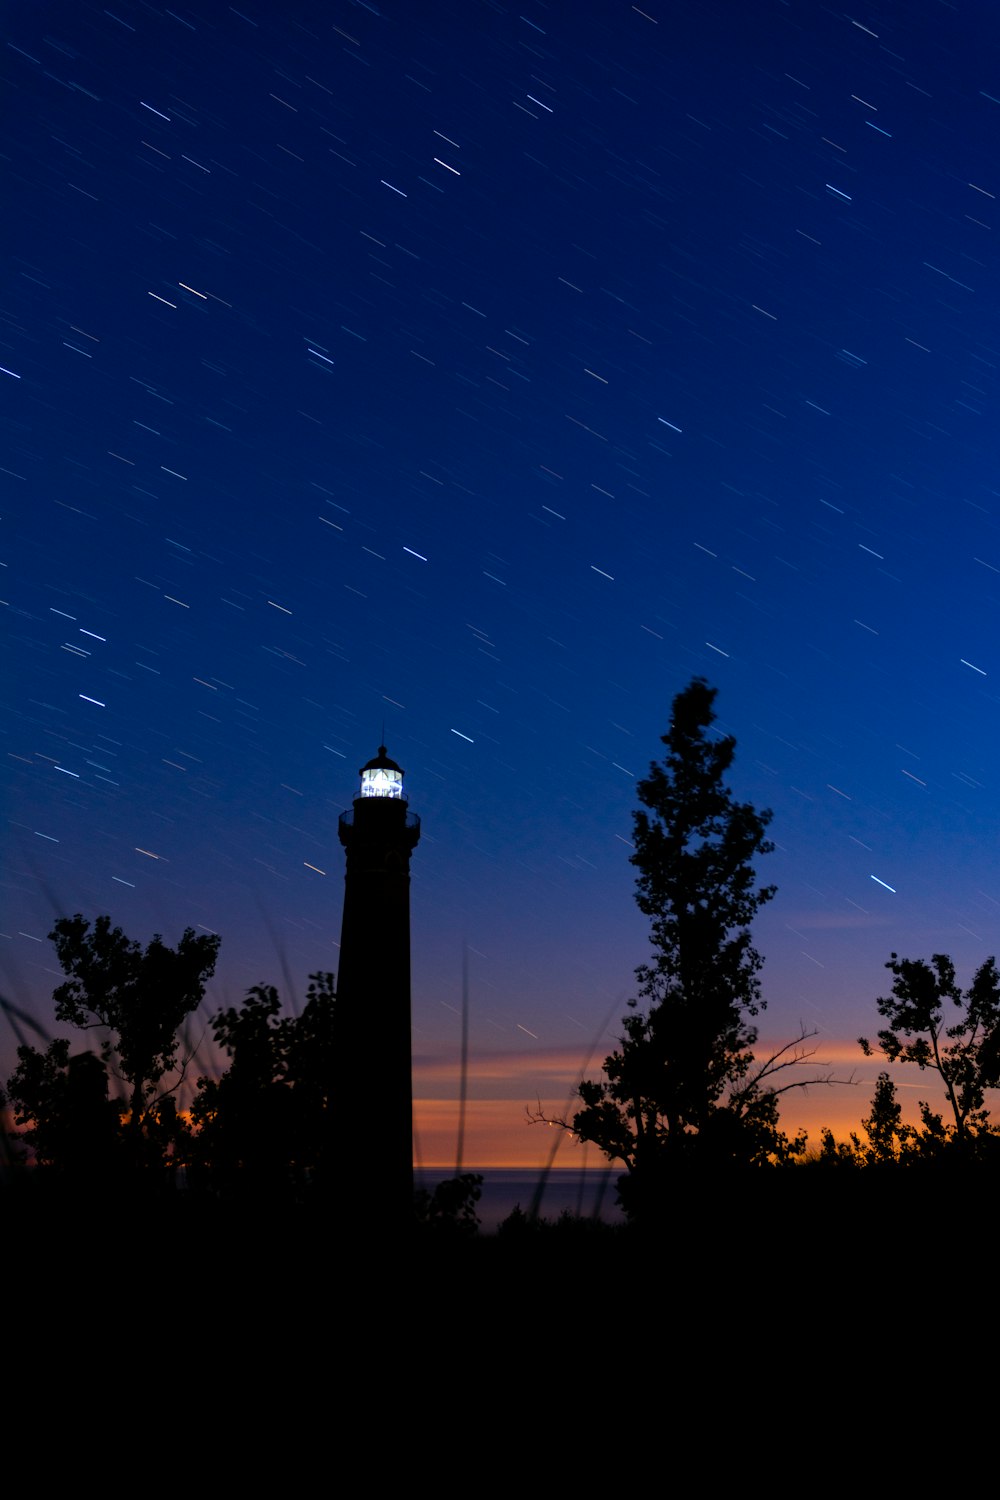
<point>373,989</point>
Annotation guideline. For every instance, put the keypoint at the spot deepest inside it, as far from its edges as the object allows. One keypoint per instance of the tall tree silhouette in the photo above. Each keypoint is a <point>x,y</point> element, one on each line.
<point>684,1086</point>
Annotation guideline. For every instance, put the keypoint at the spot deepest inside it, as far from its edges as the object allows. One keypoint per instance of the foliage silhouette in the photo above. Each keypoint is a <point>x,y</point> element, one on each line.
<point>451,1207</point>
<point>61,1101</point>
<point>833,1153</point>
<point>888,1137</point>
<point>890,1141</point>
<point>268,1123</point>
<point>521,1226</point>
<point>684,1088</point>
<point>965,1055</point>
<point>136,999</point>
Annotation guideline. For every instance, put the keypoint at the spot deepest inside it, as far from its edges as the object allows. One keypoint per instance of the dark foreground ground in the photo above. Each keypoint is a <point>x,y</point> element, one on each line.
<point>757,1306</point>
<point>797,1224</point>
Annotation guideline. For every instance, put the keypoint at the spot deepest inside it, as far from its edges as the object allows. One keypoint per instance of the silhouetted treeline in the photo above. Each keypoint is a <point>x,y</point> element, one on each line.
<point>684,1100</point>
<point>268,1130</point>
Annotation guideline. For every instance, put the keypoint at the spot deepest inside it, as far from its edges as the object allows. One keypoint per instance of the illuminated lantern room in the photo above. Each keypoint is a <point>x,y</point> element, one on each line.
<point>381,777</point>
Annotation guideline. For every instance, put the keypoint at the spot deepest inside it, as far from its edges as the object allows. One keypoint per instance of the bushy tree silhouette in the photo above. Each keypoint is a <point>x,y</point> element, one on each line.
<point>890,1141</point>
<point>61,1101</point>
<point>965,1055</point>
<point>136,998</point>
<point>451,1207</point>
<point>888,1137</point>
<point>268,1123</point>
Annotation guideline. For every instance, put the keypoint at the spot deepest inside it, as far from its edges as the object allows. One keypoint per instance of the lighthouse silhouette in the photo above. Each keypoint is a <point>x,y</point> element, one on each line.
<point>373,990</point>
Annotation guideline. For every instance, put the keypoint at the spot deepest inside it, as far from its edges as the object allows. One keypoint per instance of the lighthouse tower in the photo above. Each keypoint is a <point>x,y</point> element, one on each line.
<point>373,986</point>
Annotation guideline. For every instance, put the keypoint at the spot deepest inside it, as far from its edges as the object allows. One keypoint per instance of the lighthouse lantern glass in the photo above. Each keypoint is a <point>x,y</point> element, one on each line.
<point>381,781</point>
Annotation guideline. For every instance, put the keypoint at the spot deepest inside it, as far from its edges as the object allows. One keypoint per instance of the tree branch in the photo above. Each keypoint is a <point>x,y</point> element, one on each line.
<point>792,1055</point>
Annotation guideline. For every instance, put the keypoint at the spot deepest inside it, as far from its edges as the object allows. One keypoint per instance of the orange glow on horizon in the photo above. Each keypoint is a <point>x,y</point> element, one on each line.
<point>506,1086</point>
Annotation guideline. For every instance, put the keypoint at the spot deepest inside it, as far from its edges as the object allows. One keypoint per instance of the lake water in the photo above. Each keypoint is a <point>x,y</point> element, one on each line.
<point>588,1193</point>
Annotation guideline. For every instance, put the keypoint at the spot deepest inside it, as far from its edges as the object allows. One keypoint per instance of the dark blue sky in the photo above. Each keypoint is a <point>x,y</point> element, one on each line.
<point>490,372</point>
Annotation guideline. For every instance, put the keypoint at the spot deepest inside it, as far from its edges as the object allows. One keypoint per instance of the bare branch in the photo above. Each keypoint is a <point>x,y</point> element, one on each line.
<point>794,1054</point>
<point>539,1117</point>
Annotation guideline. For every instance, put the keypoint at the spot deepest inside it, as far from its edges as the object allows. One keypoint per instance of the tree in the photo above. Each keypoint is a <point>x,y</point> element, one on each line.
<point>888,1138</point>
<point>890,1141</point>
<point>269,1121</point>
<point>965,1055</point>
<point>451,1207</point>
<point>684,1086</point>
<point>138,998</point>
<point>61,1101</point>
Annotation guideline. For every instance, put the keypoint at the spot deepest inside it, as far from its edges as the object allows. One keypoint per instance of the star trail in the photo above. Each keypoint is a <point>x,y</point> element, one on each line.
<point>485,376</point>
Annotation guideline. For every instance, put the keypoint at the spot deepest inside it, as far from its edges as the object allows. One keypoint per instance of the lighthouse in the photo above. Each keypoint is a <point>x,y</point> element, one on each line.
<point>373,988</point>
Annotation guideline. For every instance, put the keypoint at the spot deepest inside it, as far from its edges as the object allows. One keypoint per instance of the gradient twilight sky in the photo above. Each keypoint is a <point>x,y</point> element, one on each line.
<point>489,372</point>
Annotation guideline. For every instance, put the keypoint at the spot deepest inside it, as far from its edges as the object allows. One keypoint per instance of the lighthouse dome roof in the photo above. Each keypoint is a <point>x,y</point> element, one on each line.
<point>380,762</point>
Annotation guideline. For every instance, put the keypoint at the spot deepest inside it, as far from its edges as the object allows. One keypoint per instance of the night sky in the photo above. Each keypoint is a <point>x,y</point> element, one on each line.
<point>486,373</point>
